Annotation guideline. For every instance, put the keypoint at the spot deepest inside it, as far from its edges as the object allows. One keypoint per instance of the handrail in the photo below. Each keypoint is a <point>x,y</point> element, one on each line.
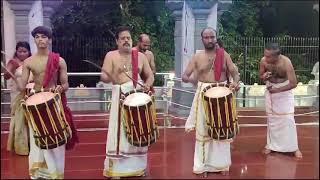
<point>98,73</point>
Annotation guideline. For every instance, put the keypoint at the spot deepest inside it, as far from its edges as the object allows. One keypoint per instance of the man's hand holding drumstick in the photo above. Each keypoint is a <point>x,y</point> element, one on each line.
<point>10,73</point>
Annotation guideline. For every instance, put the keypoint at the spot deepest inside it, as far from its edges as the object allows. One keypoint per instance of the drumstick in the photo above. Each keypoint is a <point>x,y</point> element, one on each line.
<point>95,65</point>
<point>4,67</point>
<point>126,73</point>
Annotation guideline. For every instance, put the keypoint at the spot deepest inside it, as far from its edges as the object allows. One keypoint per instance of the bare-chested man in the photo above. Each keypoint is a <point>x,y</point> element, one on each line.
<point>278,73</point>
<point>143,46</point>
<point>49,71</point>
<point>122,158</point>
<point>208,67</point>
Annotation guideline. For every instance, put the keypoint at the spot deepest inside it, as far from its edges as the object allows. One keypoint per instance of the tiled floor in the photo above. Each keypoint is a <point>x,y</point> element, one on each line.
<point>172,157</point>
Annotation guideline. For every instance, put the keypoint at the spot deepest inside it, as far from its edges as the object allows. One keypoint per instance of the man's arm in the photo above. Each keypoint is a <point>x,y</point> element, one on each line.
<point>63,76</point>
<point>263,73</point>
<point>233,71</point>
<point>106,70</point>
<point>146,70</point>
<point>152,63</point>
<point>291,77</point>
<point>11,67</point>
<point>187,73</point>
<point>24,77</point>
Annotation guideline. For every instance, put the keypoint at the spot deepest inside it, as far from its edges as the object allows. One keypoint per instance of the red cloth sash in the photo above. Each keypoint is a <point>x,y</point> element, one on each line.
<point>135,70</point>
<point>51,70</point>
<point>218,63</point>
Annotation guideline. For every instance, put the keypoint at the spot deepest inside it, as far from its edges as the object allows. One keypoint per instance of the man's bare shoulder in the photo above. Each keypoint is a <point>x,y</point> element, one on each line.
<point>285,58</point>
<point>62,62</point>
<point>61,59</point>
<point>111,54</point>
<point>141,55</point>
<point>199,54</point>
<point>263,60</point>
<point>148,52</point>
<point>227,55</point>
<point>28,61</point>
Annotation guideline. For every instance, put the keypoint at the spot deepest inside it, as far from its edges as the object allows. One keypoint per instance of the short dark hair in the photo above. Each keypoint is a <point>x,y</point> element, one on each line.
<point>206,29</point>
<point>121,29</point>
<point>42,30</point>
<point>23,44</point>
<point>141,37</point>
<point>274,47</point>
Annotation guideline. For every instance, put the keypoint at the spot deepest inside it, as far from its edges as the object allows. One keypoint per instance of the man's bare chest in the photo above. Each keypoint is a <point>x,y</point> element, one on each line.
<point>38,67</point>
<point>277,70</point>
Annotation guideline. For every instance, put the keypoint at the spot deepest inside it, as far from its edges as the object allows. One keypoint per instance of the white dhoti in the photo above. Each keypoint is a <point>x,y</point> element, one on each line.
<point>281,133</point>
<point>210,155</point>
<point>48,164</point>
<point>122,158</point>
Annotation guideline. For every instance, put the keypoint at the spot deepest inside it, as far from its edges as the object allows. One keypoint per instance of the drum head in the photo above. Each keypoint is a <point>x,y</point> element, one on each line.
<point>39,98</point>
<point>216,92</point>
<point>137,99</point>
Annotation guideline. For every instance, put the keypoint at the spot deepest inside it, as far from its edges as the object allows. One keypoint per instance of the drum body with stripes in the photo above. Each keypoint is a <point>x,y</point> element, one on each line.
<point>139,118</point>
<point>220,111</point>
<point>45,114</point>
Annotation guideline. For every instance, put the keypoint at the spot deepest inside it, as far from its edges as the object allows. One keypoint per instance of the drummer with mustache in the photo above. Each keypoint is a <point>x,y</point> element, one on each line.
<point>211,65</point>
<point>122,68</point>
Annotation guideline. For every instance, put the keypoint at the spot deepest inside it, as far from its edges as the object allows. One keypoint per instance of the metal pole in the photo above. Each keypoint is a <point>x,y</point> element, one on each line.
<point>244,75</point>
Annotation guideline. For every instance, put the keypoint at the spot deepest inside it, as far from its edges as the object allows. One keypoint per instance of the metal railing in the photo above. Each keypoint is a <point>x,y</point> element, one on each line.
<point>164,95</point>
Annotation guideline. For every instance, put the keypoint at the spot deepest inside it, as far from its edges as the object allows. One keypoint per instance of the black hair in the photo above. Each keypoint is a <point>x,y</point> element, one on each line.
<point>42,30</point>
<point>141,37</point>
<point>23,44</point>
<point>274,47</point>
<point>121,29</point>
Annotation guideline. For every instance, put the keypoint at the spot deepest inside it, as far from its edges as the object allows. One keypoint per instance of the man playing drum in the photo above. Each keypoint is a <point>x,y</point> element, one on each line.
<point>143,46</point>
<point>120,67</point>
<point>277,72</point>
<point>49,71</point>
<point>209,66</point>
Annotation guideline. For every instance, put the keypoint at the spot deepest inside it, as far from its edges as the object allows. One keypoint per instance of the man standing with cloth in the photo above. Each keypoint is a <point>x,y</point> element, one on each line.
<point>212,65</point>
<point>49,72</point>
<point>122,158</point>
<point>277,72</point>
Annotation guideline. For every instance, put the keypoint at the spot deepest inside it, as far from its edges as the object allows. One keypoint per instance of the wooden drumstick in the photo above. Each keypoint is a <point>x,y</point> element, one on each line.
<point>95,65</point>
<point>126,73</point>
<point>4,67</point>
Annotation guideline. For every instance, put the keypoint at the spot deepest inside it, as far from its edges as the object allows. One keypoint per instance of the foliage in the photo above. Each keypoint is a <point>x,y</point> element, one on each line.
<point>80,27</point>
<point>245,24</point>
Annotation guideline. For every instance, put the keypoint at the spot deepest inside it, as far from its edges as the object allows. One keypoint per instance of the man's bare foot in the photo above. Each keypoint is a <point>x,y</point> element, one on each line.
<point>266,151</point>
<point>225,173</point>
<point>298,154</point>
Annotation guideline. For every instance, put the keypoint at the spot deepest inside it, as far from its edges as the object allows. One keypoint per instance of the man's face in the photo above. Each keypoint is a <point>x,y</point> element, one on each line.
<point>270,56</point>
<point>209,39</point>
<point>144,45</point>
<point>124,41</point>
<point>42,41</point>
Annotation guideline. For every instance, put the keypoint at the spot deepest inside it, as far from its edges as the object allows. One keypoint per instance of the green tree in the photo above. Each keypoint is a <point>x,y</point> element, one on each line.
<point>86,29</point>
